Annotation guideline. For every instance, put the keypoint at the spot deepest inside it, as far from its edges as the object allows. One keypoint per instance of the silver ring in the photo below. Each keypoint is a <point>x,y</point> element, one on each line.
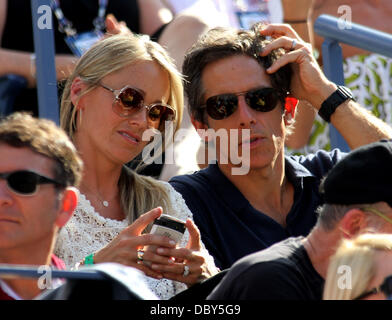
<point>186,271</point>
<point>140,254</point>
<point>293,44</point>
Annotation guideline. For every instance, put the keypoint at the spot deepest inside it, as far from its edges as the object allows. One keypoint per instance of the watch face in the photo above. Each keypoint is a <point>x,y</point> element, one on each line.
<point>345,92</point>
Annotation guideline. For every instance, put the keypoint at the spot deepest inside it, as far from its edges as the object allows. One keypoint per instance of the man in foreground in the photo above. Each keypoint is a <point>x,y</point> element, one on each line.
<point>358,199</point>
<point>39,170</point>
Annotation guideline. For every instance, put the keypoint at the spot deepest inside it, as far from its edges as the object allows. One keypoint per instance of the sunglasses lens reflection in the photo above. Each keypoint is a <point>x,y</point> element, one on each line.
<point>129,101</point>
<point>156,112</point>
<point>262,100</point>
<point>23,182</point>
<point>130,98</point>
<point>222,106</point>
<point>161,112</point>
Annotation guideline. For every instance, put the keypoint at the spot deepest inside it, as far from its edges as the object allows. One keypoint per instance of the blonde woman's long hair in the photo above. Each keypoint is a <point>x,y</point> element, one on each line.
<point>139,194</point>
<point>357,258</point>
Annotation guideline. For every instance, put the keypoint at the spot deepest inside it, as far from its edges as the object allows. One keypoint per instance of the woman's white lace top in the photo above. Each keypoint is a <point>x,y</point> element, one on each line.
<point>87,232</point>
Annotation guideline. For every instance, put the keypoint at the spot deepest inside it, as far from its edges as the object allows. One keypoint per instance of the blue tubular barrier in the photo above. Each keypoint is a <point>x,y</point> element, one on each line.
<point>336,30</point>
<point>48,105</point>
<point>110,280</point>
<point>16,271</point>
<point>358,36</point>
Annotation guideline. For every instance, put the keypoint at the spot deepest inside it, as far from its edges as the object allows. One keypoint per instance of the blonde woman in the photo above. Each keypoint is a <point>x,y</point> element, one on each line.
<point>361,269</point>
<point>123,86</point>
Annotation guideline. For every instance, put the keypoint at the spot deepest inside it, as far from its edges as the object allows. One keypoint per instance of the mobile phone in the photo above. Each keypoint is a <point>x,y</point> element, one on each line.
<point>167,226</point>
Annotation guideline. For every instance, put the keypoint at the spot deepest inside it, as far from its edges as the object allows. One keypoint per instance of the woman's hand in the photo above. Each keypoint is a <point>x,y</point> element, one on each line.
<point>308,82</point>
<point>191,264</point>
<point>124,248</point>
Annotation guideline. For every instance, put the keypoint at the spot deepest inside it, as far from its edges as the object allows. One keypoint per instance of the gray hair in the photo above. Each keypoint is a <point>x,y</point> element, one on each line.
<point>329,215</point>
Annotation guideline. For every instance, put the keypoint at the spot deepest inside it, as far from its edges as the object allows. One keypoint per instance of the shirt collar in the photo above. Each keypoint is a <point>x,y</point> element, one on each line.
<point>295,170</point>
<point>234,198</point>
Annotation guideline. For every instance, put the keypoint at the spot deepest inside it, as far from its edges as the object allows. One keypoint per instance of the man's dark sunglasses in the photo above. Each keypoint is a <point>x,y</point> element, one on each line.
<point>129,99</point>
<point>385,287</point>
<point>224,105</point>
<point>25,183</point>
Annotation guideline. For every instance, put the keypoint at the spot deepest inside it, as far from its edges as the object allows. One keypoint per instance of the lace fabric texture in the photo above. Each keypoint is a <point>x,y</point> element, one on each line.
<point>88,232</point>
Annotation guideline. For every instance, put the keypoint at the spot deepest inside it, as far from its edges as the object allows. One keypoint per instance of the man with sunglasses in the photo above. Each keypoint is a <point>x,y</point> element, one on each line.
<point>39,170</point>
<point>358,199</point>
<point>239,81</point>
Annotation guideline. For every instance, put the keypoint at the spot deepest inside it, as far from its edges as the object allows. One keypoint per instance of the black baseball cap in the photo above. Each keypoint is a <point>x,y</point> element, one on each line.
<point>364,176</point>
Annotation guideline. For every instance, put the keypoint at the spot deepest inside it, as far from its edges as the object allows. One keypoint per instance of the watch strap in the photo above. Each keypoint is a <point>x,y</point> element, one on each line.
<point>330,104</point>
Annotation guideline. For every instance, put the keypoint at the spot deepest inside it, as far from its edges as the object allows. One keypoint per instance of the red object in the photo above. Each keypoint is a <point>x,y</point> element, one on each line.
<point>4,296</point>
<point>57,262</point>
<point>290,105</point>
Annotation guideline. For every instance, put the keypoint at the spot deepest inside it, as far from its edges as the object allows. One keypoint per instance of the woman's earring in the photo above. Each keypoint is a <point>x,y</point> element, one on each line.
<point>80,116</point>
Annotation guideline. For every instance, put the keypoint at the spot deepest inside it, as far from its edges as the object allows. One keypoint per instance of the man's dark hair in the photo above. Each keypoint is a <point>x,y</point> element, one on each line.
<point>46,138</point>
<point>219,43</point>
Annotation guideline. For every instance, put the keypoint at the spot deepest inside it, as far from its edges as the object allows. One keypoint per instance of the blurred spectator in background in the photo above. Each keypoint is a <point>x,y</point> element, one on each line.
<point>361,268</point>
<point>39,168</point>
<point>234,13</point>
<point>17,43</point>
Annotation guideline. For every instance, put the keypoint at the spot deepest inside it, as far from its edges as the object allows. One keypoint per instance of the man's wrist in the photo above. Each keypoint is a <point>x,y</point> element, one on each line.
<point>335,100</point>
<point>319,97</point>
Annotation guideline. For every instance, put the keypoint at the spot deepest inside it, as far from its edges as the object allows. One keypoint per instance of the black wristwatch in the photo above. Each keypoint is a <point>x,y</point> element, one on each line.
<point>330,104</point>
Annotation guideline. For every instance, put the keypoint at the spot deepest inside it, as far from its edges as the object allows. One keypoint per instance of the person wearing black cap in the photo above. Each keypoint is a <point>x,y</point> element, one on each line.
<point>358,198</point>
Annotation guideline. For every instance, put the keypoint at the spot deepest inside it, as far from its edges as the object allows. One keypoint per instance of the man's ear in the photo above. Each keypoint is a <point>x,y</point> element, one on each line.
<point>201,128</point>
<point>353,223</point>
<point>67,206</point>
<point>77,87</point>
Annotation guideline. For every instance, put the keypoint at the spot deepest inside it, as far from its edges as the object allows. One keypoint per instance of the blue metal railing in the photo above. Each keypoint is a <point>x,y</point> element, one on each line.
<point>48,105</point>
<point>16,271</point>
<point>130,279</point>
<point>334,30</point>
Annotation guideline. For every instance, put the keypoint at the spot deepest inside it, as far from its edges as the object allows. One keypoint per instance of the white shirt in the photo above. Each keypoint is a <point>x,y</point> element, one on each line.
<point>87,232</point>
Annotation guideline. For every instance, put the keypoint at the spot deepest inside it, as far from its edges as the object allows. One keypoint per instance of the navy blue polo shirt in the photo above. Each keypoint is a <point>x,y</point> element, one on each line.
<point>229,225</point>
